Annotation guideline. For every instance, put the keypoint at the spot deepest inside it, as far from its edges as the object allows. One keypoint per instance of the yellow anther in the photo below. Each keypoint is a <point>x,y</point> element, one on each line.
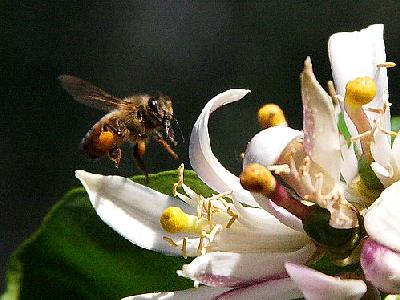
<point>174,220</point>
<point>360,91</point>
<point>388,64</point>
<point>271,115</point>
<point>257,178</point>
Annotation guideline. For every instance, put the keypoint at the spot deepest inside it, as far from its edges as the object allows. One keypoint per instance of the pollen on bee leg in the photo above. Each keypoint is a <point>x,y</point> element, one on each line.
<point>106,139</point>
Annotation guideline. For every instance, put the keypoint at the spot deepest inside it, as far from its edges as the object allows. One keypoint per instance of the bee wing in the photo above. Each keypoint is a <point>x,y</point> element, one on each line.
<point>89,94</point>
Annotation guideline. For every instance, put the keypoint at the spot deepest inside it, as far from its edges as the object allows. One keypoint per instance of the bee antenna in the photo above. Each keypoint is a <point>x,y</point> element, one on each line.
<point>180,130</point>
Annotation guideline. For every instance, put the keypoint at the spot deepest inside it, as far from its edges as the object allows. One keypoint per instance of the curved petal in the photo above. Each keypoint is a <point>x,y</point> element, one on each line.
<point>267,145</point>
<point>316,285</point>
<point>321,135</point>
<point>230,269</point>
<point>355,54</point>
<point>280,213</point>
<point>279,289</point>
<point>201,293</point>
<point>381,266</point>
<point>202,159</point>
<point>382,219</point>
<point>131,209</point>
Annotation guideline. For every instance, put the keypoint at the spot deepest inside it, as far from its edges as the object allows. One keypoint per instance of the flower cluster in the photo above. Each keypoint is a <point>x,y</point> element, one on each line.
<point>330,189</point>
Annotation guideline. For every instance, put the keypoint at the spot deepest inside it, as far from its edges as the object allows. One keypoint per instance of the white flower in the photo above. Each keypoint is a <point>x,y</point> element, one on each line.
<point>353,55</point>
<point>243,251</point>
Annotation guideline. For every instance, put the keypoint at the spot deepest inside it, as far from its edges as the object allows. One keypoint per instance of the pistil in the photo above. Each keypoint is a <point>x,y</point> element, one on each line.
<point>256,178</point>
<point>359,92</point>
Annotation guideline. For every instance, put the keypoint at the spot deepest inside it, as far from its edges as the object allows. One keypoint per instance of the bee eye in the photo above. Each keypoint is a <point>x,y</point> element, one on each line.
<point>153,104</point>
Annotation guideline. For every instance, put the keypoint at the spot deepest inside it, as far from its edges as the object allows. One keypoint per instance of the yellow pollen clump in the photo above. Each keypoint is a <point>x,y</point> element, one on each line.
<point>257,178</point>
<point>174,220</point>
<point>360,91</point>
<point>106,139</point>
<point>271,115</point>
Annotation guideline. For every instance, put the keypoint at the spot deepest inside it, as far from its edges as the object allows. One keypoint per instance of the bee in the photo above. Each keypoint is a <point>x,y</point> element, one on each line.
<point>134,119</point>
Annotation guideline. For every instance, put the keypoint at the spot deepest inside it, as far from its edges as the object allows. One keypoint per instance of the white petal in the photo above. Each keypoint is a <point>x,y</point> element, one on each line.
<point>316,285</point>
<point>381,266</point>
<point>233,269</point>
<point>258,218</point>
<point>381,149</point>
<point>348,163</point>
<point>280,289</point>
<point>321,135</point>
<point>382,218</point>
<point>267,145</point>
<point>242,239</point>
<point>202,159</point>
<point>280,213</point>
<point>201,293</point>
<point>131,209</point>
<point>355,54</point>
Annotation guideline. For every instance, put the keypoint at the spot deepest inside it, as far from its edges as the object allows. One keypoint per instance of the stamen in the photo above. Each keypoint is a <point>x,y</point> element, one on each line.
<point>201,249</point>
<point>271,115</point>
<point>361,136</point>
<point>214,232</point>
<point>388,132</point>
<point>332,92</point>
<point>256,178</point>
<point>359,92</point>
<point>200,206</point>
<point>170,241</point>
<point>279,169</point>
<point>376,110</point>
<point>184,249</point>
<point>174,220</point>
<point>234,217</point>
<point>209,211</point>
<point>388,64</point>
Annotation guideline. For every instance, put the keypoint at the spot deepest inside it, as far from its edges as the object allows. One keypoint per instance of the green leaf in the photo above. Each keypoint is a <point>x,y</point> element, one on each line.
<point>74,255</point>
<point>368,176</point>
<point>343,130</point>
<point>395,123</point>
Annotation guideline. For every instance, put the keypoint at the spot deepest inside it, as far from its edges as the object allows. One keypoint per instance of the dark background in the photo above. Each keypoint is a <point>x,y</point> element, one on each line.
<point>189,50</point>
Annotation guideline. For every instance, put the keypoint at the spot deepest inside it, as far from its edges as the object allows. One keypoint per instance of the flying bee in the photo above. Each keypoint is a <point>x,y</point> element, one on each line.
<point>134,119</point>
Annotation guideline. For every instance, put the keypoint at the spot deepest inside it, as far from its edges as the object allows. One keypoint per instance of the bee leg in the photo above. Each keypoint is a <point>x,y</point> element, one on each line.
<point>159,139</point>
<point>138,152</point>
<point>115,155</point>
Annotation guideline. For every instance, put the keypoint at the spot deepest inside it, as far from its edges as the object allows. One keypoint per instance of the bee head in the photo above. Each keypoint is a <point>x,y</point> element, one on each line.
<point>160,109</point>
